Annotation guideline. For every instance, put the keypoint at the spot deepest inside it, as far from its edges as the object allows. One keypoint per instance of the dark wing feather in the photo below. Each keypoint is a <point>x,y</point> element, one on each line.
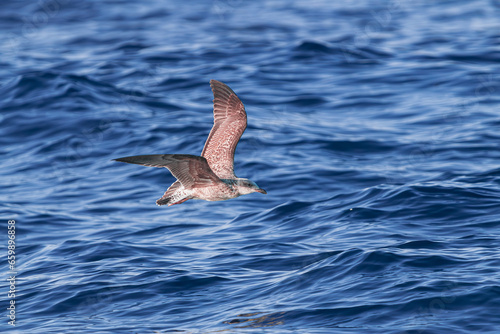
<point>230,121</point>
<point>191,171</point>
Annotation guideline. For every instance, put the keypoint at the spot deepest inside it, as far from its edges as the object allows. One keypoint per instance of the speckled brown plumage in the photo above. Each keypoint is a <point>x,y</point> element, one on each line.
<point>209,177</point>
<point>230,121</point>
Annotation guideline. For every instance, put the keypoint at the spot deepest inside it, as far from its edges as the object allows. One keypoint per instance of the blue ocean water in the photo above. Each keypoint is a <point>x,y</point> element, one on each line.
<point>373,125</point>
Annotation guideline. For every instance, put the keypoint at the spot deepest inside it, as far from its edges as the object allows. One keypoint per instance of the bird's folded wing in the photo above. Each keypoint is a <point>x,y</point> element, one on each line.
<point>230,121</point>
<point>190,170</point>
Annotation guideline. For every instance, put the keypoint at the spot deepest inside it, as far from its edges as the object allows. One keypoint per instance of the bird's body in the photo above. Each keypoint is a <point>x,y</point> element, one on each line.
<point>210,176</point>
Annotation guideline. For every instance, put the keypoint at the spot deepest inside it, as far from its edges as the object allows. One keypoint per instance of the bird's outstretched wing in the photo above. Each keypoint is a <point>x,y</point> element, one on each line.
<point>191,171</point>
<point>230,121</point>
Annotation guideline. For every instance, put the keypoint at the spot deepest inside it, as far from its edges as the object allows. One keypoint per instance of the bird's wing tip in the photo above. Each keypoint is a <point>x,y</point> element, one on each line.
<point>214,83</point>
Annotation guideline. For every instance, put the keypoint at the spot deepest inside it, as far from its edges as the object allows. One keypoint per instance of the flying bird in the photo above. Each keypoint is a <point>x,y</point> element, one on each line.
<point>210,176</point>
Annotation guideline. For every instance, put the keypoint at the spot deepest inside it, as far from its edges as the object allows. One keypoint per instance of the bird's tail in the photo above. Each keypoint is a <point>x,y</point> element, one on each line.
<point>174,195</point>
<point>163,200</point>
<point>170,201</point>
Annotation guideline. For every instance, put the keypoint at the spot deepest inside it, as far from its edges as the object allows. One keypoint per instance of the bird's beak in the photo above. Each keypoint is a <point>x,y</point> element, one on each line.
<point>262,191</point>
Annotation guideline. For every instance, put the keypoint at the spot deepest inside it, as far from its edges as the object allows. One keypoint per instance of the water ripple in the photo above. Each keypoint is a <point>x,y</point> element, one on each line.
<point>373,126</point>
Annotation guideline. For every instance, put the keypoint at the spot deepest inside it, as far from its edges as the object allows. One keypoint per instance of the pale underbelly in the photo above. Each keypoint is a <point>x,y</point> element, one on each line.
<point>220,193</point>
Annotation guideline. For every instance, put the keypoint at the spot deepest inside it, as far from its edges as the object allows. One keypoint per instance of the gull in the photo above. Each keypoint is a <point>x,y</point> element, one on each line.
<point>208,177</point>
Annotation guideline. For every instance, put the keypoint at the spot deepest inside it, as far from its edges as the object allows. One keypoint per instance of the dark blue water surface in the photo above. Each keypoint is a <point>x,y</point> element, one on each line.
<point>373,125</point>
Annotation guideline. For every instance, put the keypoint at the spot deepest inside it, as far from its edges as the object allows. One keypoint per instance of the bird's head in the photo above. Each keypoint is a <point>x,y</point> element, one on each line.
<point>245,186</point>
